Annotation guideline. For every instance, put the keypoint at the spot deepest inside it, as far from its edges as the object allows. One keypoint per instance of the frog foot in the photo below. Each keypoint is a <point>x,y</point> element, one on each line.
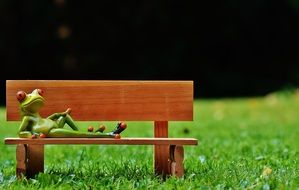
<point>120,127</point>
<point>117,136</point>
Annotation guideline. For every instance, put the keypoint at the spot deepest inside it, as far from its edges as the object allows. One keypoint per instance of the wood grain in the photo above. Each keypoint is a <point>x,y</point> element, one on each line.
<point>108,100</point>
<point>161,152</point>
<point>21,157</point>
<point>108,141</point>
<point>35,160</point>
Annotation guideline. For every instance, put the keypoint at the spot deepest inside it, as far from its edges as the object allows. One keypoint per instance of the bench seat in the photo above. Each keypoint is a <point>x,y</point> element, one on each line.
<point>124,141</point>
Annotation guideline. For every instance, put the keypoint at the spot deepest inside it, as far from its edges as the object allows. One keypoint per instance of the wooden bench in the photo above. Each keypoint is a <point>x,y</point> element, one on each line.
<point>158,101</point>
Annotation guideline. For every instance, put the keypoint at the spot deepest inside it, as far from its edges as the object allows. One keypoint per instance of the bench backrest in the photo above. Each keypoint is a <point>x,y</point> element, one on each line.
<point>108,100</point>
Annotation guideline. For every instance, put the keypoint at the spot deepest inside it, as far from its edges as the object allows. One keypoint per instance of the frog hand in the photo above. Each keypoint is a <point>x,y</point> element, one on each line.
<point>67,112</point>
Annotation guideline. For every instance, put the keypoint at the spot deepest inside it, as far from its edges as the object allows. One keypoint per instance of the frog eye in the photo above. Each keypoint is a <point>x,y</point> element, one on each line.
<point>21,95</point>
<point>40,92</point>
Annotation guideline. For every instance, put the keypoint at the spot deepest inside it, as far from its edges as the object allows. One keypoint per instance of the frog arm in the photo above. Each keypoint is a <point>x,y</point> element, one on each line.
<point>57,115</point>
<point>54,116</point>
<point>23,131</point>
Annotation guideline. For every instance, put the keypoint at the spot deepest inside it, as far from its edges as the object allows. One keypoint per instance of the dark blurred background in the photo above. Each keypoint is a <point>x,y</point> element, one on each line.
<point>229,48</point>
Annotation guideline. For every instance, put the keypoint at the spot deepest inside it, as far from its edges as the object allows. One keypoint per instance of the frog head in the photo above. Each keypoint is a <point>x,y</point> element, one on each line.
<point>30,104</point>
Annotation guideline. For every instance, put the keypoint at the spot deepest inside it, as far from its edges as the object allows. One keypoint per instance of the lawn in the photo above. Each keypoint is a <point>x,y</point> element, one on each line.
<point>248,143</point>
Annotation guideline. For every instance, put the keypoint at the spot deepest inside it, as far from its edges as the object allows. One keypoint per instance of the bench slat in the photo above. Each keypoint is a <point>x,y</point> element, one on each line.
<point>125,141</point>
<point>108,100</point>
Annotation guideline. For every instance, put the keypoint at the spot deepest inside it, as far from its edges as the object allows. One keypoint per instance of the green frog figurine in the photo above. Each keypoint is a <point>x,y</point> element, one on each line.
<point>34,126</point>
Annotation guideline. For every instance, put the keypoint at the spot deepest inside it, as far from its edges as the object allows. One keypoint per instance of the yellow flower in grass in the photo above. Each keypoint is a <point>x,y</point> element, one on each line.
<point>266,172</point>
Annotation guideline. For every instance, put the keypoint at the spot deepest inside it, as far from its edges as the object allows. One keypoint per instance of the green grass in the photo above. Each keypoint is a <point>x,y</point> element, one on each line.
<point>248,143</point>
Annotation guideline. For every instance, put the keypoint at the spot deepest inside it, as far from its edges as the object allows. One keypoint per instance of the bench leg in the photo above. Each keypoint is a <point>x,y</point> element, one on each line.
<point>21,160</point>
<point>161,152</point>
<point>176,159</point>
<point>30,160</point>
<point>35,160</point>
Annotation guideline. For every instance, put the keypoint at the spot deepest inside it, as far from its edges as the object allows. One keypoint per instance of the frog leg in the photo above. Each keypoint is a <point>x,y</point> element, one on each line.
<point>64,118</point>
<point>57,115</point>
<point>23,129</point>
<point>54,116</point>
<point>60,132</point>
<point>67,119</point>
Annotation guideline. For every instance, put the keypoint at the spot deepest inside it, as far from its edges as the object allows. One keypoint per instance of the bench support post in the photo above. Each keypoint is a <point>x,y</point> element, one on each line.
<point>35,162</point>
<point>176,159</point>
<point>21,157</point>
<point>30,160</point>
<point>161,152</point>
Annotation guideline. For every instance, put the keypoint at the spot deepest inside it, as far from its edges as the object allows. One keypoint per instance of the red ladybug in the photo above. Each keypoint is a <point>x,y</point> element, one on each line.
<point>42,135</point>
<point>117,136</point>
<point>102,128</point>
<point>33,136</point>
<point>123,125</point>
<point>90,129</point>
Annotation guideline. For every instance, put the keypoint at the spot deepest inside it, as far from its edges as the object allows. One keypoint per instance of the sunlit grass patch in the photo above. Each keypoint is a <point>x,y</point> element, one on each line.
<point>246,143</point>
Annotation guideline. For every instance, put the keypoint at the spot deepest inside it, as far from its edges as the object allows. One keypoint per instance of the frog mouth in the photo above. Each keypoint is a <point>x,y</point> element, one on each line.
<point>37,101</point>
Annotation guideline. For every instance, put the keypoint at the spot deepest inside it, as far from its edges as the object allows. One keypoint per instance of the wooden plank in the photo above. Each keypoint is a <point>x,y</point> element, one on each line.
<point>108,141</point>
<point>109,100</point>
<point>161,152</point>
<point>35,160</point>
<point>21,158</point>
